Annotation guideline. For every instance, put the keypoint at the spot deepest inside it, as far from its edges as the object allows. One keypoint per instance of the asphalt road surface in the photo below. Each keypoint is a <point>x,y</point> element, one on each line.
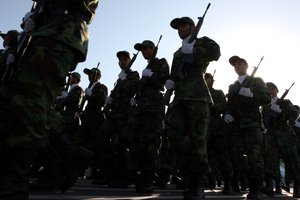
<point>84,190</point>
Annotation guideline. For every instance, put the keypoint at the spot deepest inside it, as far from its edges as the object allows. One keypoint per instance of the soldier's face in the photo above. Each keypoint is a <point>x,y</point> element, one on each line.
<point>185,29</point>
<point>273,92</point>
<point>240,68</point>
<point>147,52</point>
<point>123,62</point>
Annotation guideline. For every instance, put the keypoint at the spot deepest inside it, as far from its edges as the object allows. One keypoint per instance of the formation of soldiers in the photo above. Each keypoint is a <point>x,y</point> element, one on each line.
<point>53,131</point>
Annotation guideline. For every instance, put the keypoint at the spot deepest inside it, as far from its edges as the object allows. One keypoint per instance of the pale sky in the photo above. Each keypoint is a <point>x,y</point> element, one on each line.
<point>247,28</point>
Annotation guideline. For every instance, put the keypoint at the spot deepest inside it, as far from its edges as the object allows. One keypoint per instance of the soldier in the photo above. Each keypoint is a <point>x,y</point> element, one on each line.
<point>7,55</point>
<point>145,123</point>
<point>113,146</point>
<point>244,124</point>
<point>281,141</point>
<point>92,117</point>
<point>71,102</point>
<point>189,117</point>
<point>217,146</point>
<point>59,40</point>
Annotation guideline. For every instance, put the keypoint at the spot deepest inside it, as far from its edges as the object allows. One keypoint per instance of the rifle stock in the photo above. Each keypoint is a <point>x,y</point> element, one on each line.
<point>177,71</point>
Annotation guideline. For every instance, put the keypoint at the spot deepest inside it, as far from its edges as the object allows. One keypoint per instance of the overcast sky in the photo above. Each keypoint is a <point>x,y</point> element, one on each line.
<point>248,28</point>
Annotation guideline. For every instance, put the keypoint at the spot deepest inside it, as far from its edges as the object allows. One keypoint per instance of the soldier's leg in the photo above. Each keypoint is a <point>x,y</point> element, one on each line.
<point>253,142</point>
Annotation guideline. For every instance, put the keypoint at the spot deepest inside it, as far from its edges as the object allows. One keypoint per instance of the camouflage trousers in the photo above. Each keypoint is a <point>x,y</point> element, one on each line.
<point>245,144</point>
<point>29,98</point>
<point>189,123</point>
<point>143,131</point>
<point>289,155</point>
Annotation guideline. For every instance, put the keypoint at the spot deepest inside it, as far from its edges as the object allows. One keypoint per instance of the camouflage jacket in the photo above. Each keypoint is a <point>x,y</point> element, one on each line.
<point>97,100</point>
<point>67,22</point>
<point>149,94</point>
<point>190,85</point>
<point>72,103</point>
<point>218,108</point>
<point>245,110</point>
<point>123,91</point>
<point>279,125</point>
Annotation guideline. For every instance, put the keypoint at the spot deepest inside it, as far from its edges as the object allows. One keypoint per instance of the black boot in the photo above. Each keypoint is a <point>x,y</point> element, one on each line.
<point>277,186</point>
<point>296,193</point>
<point>195,190</point>
<point>14,173</point>
<point>227,186</point>
<point>145,182</point>
<point>286,187</point>
<point>269,188</point>
<point>255,186</point>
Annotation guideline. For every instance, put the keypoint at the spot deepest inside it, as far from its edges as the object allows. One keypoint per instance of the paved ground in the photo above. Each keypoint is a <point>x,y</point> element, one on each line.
<point>84,190</point>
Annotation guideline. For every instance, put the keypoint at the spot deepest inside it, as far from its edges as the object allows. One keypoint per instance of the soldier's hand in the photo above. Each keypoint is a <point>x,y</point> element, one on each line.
<point>133,101</point>
<point>228,118</point>
<point>169,84</point>
<point>276,108</point>
<point>147,73</point>
<point>64,94</point>
<point>246,92</point>
<point>109,100</point>
<point>187,48</point>
<point>88,92</point>
<point>10,58</point>
<point>28,22</point>
<point>122,75</point>
<point>297,124</point>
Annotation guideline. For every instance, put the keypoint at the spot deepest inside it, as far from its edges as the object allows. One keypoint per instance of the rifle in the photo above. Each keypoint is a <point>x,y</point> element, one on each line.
<point>89,86</point>
<point>284,94</point>
<point>235,105</point>
<point>271,115</point>
<point>176,72</point>
<point>151,61</point>
<point>133,59</point>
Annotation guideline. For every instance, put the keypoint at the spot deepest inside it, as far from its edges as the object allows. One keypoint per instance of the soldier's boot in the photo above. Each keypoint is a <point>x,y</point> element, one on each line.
<point>235,184</point>
<point>269,188</point>
<point>277,186</point>
<point>244,181</point>
<point>286,187</point>
<point>227,186</point>
<point>14,171</point>
<point>162,178</point>
<point>145,182</point>
<point>78,163</point>
<point>296,192</point>
<point>195,190</point>
<point>255,187</point>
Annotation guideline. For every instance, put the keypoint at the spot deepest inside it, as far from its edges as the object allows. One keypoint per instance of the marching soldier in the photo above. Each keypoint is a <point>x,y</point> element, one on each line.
<point>7,55</point>
<point>189,116</point>
<point>113,146</point>
<point>217,146</point>
<point>244,124</point>
<point>145,123</point>
<point>281,141</point>
<point>59,40</point>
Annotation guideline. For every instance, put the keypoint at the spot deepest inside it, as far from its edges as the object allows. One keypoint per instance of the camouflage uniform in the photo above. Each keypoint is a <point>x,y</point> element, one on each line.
<point>190,114</point>
<point>112,140</point>
<point>218,154</point>
<point>58,43</point>
<point>281,143</point>
<point>245,133</point>
<point>71,106</point>
<point>92,117</point>
<point>10,44</point>
<point>145,123</point>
